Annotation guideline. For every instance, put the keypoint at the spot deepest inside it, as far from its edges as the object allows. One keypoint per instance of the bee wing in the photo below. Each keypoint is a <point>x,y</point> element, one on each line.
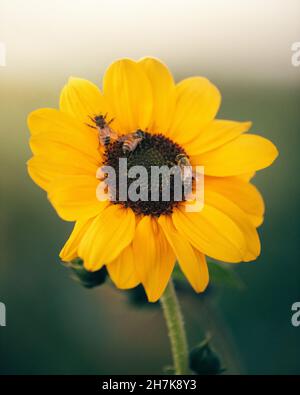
<point>113,135</point>
<point>126,137</point>
<point>132,135</point>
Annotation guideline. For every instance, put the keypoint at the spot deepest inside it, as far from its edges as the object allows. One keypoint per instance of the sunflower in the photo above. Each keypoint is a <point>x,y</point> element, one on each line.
<point>139,243</point>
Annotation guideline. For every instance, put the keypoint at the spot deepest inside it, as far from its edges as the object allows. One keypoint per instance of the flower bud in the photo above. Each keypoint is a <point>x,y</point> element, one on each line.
<point>86,278</point>
<point>204,360</point>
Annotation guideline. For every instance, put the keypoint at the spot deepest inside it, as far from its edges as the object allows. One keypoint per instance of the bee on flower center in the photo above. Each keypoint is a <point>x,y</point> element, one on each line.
<point>105,134</point>
<point>131,141</point>
<point>185,168</point>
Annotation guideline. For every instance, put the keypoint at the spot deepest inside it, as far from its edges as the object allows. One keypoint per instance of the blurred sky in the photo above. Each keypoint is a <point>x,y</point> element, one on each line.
<point>242,39</point>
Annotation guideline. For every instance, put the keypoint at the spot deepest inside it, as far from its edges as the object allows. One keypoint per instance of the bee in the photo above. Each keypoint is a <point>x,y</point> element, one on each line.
<point>105,134</point>
<point>132,140</point>
<point>185,168</point>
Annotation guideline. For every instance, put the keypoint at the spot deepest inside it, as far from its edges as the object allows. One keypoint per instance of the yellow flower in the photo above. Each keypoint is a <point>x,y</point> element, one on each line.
<point>138,244</point>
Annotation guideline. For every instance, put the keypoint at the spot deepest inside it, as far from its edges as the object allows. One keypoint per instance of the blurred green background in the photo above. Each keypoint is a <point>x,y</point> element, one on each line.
<point>54,326</point>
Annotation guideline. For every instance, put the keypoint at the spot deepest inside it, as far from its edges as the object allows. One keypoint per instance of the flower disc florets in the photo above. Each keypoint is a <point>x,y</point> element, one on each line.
<point>154,150</point>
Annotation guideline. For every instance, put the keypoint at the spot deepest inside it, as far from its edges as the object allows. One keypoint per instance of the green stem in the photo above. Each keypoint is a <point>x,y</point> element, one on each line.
<point>177,335</point>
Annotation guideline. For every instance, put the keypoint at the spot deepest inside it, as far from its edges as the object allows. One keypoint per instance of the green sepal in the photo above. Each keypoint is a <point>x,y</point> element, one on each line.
<point>137,298</point>
<point>203,360</point>
<point>86,278</point>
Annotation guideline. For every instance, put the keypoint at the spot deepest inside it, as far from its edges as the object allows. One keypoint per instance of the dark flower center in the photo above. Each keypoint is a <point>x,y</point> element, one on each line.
<point>151,150</point>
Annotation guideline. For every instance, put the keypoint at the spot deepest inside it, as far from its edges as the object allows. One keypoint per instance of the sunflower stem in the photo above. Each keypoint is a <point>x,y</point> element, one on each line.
<point>176,330</point>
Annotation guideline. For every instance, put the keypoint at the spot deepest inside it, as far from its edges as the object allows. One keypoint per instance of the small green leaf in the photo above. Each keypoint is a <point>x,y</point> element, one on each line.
<point>170,370</point>
<point>220,274</point>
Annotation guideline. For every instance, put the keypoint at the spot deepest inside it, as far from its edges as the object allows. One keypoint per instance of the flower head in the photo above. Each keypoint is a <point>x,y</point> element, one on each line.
<point>150,121</point>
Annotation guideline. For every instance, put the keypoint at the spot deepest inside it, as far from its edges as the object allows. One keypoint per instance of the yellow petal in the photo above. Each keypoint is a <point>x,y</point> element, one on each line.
<point>247,176</point>
<point>70,249</point>
<point>128,92</point>
<point>74,197</point>
<point>198,101</point>
<point>110,232</point>
<point>244,154</point>
<point>154,259</point>
<point>122,270</point>
<point>243,194</point>
<point>81,98</point>
<point>211,232</point>
<point>55,132</point>
<point>215,134</point>
<point>241,220</point>
<point>163,92</point>
<point>192,263</point>
<point>43,169</point>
